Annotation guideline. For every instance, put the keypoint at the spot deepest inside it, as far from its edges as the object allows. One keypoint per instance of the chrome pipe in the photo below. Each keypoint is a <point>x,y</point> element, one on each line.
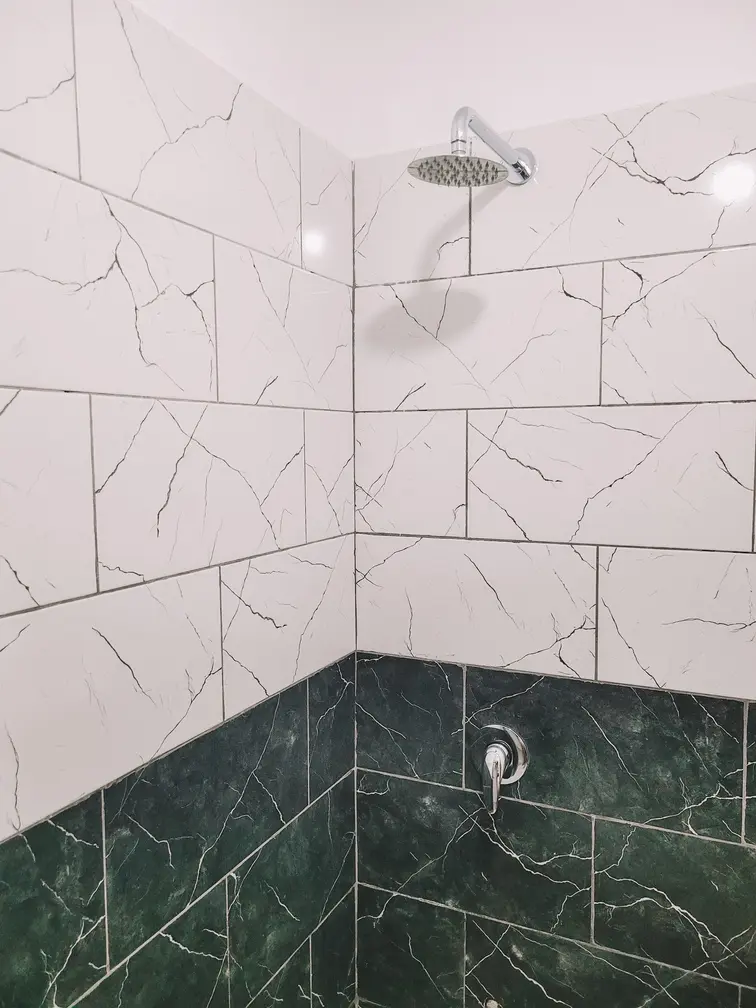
<point>520,164</point>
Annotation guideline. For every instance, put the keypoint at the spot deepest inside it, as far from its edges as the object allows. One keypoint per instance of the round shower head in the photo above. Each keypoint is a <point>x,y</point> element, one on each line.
<point>458,170</point>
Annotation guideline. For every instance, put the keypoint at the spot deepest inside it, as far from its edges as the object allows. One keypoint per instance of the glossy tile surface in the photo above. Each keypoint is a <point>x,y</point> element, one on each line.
<point>290,986</point>
<point>329,473</point>
<point>326,209</point>
<point>331,728</point>
<point>333,958</point>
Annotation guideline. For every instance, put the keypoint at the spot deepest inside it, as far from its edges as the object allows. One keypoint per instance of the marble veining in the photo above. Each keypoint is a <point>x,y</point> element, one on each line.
<point>329,473</point>
<point>326,209</point>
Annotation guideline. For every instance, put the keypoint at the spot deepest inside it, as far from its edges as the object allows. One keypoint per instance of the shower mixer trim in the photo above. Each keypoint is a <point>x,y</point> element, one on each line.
<point>520,164</point>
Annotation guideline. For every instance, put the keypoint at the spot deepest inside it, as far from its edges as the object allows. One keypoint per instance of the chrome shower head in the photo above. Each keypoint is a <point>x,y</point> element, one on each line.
<point>457,170</point>
<point>460,168</point>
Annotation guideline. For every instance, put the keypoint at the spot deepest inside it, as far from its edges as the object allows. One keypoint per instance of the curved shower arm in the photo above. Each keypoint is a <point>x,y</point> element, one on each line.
<point>520,163</point>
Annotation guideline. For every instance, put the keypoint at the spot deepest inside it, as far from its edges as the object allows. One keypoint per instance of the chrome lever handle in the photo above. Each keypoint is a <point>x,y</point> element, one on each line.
<point>497,760</point>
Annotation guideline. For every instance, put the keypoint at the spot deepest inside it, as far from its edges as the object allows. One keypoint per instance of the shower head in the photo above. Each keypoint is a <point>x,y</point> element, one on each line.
<point>460,168</point>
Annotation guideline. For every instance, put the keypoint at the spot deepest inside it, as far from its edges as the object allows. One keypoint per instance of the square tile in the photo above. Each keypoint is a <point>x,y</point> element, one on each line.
<point>678,620</point>
<point>636,475</point>
<point>46,553</point>
<point>326,209</point>
<point>330,704</point>
<point>329,473</point>
<point>410,472</point>
<point>515,339</point>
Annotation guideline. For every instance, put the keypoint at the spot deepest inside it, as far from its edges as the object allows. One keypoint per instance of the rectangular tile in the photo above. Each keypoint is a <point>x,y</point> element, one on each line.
<point>638,475</point>
<point>523,606</point>
<point>52,909</point>
<point>177,826</point>
<point>526,865</point>
<point>510,966</point>
<point>750,795</point>
<point>649,179</point>
<point>329,473</point>
<point>284,336</point>
<point>279,896</point>
<point>187,963</point>
<point>333,958</point>
<point>667,759</point>
<point>326,209</point>
<point>678,620</point>
<point>95,688</point>
<point>409,717</point>
<point>680,327</point>
<point>410,472</point>
<point>37,91</point>
<point>517,339</point>
<point>410,954</point>
<point>163,125</point>
<point>99,295</point>
<point>285,616</point>
<point>330,699</point>
<point>184,485</point>
<point>681,900</point>
<point>405,229</point>
<point>47,553</point>
<point>290,986</point>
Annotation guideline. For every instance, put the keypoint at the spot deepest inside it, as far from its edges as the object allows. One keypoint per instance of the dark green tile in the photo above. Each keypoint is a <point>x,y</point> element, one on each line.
<point>530,970</point>
<point>52,931</point>
<point>290,987</point>
<point>285,890</point>
<point>331,712</point>
<point>333,958</point>
<point>176,827</point>
<point>527,865</point>
<point>750,811</point>
<point>648,756</point>
<point>747,998</point>
<point>410,954</point>
<point>677,899</point>
<point>185,965</point>
<point>409,717</point>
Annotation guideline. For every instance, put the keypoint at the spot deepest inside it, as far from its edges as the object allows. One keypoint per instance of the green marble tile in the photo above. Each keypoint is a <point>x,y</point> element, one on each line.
<point>647,756</point>
<point>177,826</point>
<point>409,717</point>
<point>410,953</point>
<point>333,950</point>
<point>747,998</point>
<point>52,932</point>
<point>527,865</point>
<point>532,970</point>
<point>290,987</point>
<point>283,892</point>
<point>677,899</point>
<point>750,810</point>
<point>331,713</point>
<point>185,966</point>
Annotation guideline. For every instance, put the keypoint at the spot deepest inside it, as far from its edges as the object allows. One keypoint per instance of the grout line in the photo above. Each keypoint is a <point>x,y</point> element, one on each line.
<point>75,90</point>
<point>596,620</point>
<point>464,960</point>
<point>307,727</point>
<point>744,801</point>
<point>510,407</point>
<point>309,956</point>
<point>304,471</point>
<point>753,536</point>
<point>224,881</point>
<point>554,937</point>
<point>220,638</point>
<point>166,216</point>
<point>464,725</point>
<point>94,512</point>
<point>301,212</point>
<point>105,882</point>
<point>601,342</point>
<point>598,816</point>
<point>593,879</point>
<point>467,474</point>
<point>228,942</point>
<point>215,323</point>
<point>170,577</point>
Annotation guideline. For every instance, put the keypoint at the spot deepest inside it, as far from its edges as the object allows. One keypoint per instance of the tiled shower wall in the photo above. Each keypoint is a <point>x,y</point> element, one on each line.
<point>556,437</point>
<point>176,451</point>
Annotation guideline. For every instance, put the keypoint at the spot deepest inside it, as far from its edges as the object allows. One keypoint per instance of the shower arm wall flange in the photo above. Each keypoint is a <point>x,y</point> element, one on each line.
<point>520,163</point>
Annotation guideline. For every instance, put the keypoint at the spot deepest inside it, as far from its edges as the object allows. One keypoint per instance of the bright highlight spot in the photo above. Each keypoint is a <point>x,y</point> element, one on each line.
<point>313,242</point>
<point>734,182</point>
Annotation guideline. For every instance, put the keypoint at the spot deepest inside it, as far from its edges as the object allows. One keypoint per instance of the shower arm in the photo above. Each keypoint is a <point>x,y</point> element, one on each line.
<point>520,163</point>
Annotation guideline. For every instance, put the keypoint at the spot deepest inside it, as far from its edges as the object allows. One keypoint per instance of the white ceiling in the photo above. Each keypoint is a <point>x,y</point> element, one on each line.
<point>385,75</point>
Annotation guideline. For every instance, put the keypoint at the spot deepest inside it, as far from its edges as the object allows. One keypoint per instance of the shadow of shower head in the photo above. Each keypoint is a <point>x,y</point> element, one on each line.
<point>461,168</point>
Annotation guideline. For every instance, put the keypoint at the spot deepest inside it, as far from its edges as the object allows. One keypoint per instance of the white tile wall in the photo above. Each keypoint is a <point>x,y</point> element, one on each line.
<point>329,473</point>
<point>326,209</point>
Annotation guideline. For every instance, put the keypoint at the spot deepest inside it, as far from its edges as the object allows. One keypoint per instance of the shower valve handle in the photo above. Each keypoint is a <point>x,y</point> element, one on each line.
<point>497,761</point>
<point>501,756</point>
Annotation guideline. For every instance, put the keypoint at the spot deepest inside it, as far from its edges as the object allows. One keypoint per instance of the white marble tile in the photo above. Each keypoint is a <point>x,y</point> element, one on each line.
<point>47,526</point>
<point>410,472</point>
<point>326,209</point>
<point>99,295</point>
<point>329,473</point>
<point>284,335</point>
<point>37,94</point>
<point>406,229</point>
<point>626,475</point>
<point>528,607</point>
<point>667,178</point>
<point>95,688</point>
<point>680,327</point>
<point>517,339</point>
<point>285,616</point>
<point>163,125</point>
<point>184,485</point>
<point>681,621</point>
